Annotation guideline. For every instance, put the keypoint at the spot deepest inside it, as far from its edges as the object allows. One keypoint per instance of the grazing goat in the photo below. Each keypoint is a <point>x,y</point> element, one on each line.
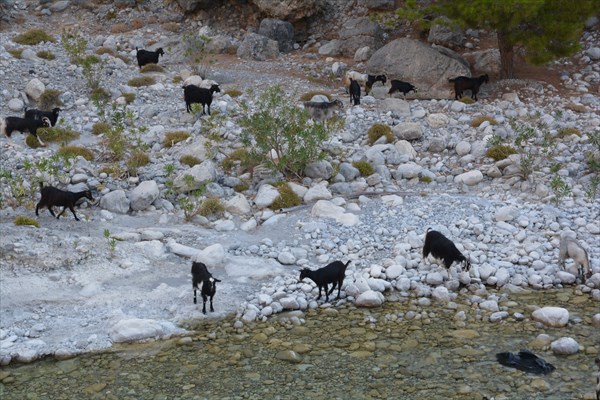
<point>38,114</point>
<point>462,83</point>
<point>357,76</point>
<point>322,110</point>
<point>401,86</point>
<point>332,273</point>
<point>354,90</point>
<point>194,94</point>
<point>52,197</point>
<point>371,79</point>
<point>10,124</point>
<point>148,57</point>
<point>570,248</point>
<point>200,274</point>
<point>442,248</point>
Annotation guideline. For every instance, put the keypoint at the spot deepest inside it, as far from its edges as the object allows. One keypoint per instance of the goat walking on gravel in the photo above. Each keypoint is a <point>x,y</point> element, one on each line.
<point>54,197</point>
<point>462,83</point>
<point>440,247</point>
<point>10,124</point>
<point>334,272</point>
<point>200,274</point>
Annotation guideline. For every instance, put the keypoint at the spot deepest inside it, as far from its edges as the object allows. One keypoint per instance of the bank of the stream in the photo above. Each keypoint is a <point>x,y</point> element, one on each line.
<point>401,350</point>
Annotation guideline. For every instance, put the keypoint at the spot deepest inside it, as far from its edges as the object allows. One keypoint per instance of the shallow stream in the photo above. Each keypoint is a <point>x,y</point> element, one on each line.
<point>401,350</point>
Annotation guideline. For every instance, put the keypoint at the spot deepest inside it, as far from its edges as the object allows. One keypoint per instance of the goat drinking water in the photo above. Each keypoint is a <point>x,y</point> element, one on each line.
<point>332,273</point>
<point>439,246</point>
<point>570,248</point>
<point>200,274</point>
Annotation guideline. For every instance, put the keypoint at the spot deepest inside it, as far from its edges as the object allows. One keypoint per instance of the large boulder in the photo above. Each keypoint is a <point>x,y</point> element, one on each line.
<point>34,89</point>
<point>360,32</point>
<point>288,10</point>
<point>412,61</point>
<point>143,195</point>
<point>280,31</point>
<point>115,201</point>
<point>200,174</point>
<point>444,34</point>
<point>258,47</point>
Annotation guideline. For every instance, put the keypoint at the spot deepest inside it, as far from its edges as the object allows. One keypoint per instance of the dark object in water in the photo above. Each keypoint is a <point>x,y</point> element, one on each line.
<point>525,361</point>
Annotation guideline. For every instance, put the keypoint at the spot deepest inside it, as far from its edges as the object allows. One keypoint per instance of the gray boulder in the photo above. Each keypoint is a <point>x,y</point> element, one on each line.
<point>220,45</point>
<point>332,48</point>
<point>412,61</point>
<point>486,61</point>
<point>115,201</point>
<point>280,31</point>
<point>321,169</point>
<point>143,195</point>
<point>200,174</point>
<point>288,10</point>
<point>360,32</point>
<point>258,47</point>
<point>444,34</point>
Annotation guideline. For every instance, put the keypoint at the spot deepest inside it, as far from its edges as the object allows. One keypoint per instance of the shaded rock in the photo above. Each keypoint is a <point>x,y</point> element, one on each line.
<point>280,31</point>
<point>288,10</point>
<point>445,34</point>
<point>258,47</point>
<point>360,32</point>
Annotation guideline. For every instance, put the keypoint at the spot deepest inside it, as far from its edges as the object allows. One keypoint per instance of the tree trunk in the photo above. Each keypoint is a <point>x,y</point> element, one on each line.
<point>507,70</point>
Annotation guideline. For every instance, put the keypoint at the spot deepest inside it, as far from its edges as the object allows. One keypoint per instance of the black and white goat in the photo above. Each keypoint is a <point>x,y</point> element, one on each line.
<point>462,83</point>
<point>401,86</point>
<point>39,114</point>
<point>148,57</point>
<point>194,94</point>
<point>570,248</point>
<point>354,91</point>
<point>322,110</point>
<point>371,79</point>
<point>200,274</point>
<point>10,124</point>
<point>334,272</point>
<point>440,247</point>
<point>54,197</point>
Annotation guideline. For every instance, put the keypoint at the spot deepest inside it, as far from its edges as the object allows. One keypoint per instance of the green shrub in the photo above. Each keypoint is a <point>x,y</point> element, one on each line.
<point>74,151</point>
<point>129,97</point>
<point>57,135</point>
<point>32,142</point>
<point>171,138</point>
<point>239,156</point>
<point>50,99</point>
<point>364,168</point>
<point>141,81</point>
<point>46,55</point>
<point>310,95</point>
<point>99,94</point>
<point>233,92</point>
<point>105,50</point>
<point>211,206</point>
<point>500,152</point>
<point>467,100</point>
<point>177,79</point>
<point>287,197</point>
<point>189,160</point>
<point>481,119</point>
<point>425,179</point>
<point>564,132</point>
<point>242,187</point>
<point>100,128</point>
<point>152,68</point>
<point>580,108</point>
<point>378,130</point>
<point>21,220</point>
<point>33,36</point>
<point>137,159</point>
<point>16,53</point>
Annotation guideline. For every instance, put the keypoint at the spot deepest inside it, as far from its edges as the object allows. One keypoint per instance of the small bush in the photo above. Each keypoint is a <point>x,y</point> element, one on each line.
<point>425,179</point>
<point>100,94</point>
<point>287,198</point>
<point>171,26</point>
<point>129,97</point>
<point>233,92</point>
<point>467,100</point>
<point>500,152</point>
<point>564,132</point>
<point>242,187</point>
<point>21,220</point>
<point>50,99</point>
<point>241,156</point>
<point>141,81</point>
<point>46,55</point>
<point>32,142</point>
<point>100,128</point>
<point>57,135</point>
<point>137,23</point>
<point>189,160</point>
<point>171,138</point>
<point>364,168</point>
<point>16,53</point>
<point>310,95</point>
<point>105,50</point>
<point>137,159</point>
<point>177,79</point>
<point>119,28</point>
<point>152,68</point>
<point>74,151</point>
<point>379,130</point>
<point>114,170</point>
<point>580,108</point>
<point>33,37</point>
<point>211,206</point>
<point>481,119</point>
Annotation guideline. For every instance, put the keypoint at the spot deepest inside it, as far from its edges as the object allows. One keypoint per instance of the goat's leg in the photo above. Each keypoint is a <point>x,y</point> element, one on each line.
<point>195,296</point>
<point>62,212</point>
<point>73,211</point>
<point>212,309</point>
<point>204,304</point>
<point>326,295</point>
<point>320,292</point>
<point>51,211</point>
<point>208,107</point>
<point>340,286</point>
<point>37,207</point>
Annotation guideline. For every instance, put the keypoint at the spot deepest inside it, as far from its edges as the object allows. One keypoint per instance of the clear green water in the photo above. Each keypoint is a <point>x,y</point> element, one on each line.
<point>346,353</point>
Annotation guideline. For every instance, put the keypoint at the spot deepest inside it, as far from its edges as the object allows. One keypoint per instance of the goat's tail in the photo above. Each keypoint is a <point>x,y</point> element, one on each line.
<point>346,265</point>
<point>451,80</point>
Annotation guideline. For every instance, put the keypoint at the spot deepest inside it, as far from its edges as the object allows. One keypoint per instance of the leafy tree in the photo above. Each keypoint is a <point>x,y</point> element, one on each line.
<point>545,29</point>
<point>280,135</point>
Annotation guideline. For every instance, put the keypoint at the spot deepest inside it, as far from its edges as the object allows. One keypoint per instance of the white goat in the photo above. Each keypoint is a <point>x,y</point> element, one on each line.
<point>570,248</point>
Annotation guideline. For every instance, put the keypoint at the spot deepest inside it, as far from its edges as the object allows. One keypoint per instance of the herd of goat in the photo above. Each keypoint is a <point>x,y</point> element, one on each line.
<point>436,244</point>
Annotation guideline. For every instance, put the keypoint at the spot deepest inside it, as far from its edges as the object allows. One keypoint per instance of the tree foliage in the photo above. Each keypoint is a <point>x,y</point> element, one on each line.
<point>545,29</point>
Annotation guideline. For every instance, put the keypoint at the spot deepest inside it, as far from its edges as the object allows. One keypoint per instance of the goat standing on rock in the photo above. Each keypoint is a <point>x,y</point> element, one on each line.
<point>200,274</point>
<point>439,246</point>
<point>52,197</point>
<point>194,94</point>
<point>462,83</point>
<point>148,57</point>
<point>334,272</point>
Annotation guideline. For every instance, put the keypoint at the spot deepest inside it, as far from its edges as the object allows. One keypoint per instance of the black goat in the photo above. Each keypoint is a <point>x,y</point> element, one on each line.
<point>371,79</point>
<point>462,83</point>
<point>39,114</point>
<point>354,91</point>
<point>148,57</point>
<point>442,248</point>
<point>10,124</point>
<point>200,274</point>
<point>332,273</point>
<point>194,94</point>
<point>401,86</point>
<point>52,197</point>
